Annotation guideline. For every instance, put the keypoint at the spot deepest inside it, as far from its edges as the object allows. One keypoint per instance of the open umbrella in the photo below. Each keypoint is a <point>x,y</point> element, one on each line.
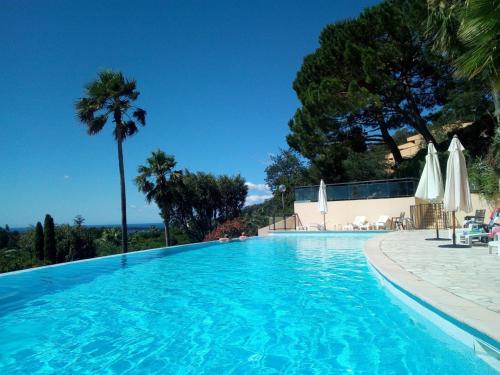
<point>430,186</point>
<point>456,193</point>
<point>322,201</point>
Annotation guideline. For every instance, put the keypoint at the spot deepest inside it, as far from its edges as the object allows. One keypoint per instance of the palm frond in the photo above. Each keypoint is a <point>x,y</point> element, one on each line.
<point>130,128</point>
<point>85,109</point>
<point>110,93</point>
<point>96,124</point>
<point>140,115</point>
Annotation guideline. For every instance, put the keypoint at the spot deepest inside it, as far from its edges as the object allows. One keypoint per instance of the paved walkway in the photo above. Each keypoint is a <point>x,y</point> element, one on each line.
<point>465,283</point>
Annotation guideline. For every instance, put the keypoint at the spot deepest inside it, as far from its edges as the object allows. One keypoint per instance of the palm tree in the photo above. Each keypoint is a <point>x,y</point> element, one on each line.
<point>469,33</point>
<point>112,95</point>
<point>157,180</point>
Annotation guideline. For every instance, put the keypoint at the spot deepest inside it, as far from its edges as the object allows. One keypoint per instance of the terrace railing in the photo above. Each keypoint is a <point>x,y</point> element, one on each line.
<point>428,216</point>
<point>283,222</point>
<point>395,188</point>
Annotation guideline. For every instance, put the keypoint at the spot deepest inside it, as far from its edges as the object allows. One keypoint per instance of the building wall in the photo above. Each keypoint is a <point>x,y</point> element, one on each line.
<point>341,213</point>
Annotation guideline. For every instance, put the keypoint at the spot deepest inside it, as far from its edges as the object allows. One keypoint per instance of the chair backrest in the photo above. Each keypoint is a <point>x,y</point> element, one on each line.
<point>383,219</point>
<point>359,220</point>
<point>480,214</point>
<point>402,216</point>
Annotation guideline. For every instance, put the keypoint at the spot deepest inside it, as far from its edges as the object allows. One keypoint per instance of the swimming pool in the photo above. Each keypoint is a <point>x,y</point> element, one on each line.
<point>282,304</point>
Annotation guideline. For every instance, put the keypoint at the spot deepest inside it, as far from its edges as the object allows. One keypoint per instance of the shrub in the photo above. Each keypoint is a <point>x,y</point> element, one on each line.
<point>232,228</point>
<point>484,179</point>
<point>74,243</point>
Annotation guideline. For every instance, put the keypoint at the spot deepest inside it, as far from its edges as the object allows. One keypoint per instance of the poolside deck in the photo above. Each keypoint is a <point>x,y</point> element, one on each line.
<point>464,283</point>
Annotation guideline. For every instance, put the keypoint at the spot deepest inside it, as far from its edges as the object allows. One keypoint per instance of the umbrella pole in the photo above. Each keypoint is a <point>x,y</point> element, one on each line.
<point>454,235</point>
<point>437,230</point>
<point>324,222</point>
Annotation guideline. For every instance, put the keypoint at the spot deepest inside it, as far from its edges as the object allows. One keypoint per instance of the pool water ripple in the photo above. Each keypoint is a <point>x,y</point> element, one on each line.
<point>281,305</point>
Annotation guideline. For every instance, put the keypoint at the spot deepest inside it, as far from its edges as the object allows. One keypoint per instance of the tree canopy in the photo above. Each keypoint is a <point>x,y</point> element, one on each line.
<point>157,179</point>
<point>370,76</point>
<point>289,169</point>
<point>203,200</point>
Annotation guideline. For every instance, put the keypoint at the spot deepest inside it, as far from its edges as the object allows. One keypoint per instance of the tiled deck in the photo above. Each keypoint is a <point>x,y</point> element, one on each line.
<point>464,283</point>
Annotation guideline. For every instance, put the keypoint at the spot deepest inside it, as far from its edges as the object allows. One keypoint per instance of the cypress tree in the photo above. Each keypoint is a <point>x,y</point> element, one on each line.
<point>49,239</point>
<point>39,241</point>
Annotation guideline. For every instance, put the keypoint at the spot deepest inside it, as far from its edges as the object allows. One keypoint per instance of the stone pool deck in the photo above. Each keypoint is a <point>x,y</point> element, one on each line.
<point>463,283</point>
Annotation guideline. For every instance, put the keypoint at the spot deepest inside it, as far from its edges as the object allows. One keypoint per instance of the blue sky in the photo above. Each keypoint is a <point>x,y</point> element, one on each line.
<point>215,78</point>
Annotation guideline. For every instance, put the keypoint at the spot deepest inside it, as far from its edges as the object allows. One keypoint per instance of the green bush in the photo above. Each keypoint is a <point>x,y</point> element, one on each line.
<point>16,259</point>
<point>484,179</point>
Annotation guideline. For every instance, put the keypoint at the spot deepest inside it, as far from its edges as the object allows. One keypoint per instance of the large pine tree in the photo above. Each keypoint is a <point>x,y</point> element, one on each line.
<point>370,76</point>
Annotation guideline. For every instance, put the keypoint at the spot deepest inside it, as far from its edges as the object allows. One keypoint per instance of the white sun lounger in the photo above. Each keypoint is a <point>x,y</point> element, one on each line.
<point>310,226</point>
<point>381,223</point>
<point>357,223</point>
<point>468,237</point>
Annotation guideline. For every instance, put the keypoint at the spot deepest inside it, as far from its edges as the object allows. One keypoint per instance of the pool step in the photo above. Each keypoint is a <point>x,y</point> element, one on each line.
<point>487,353</point>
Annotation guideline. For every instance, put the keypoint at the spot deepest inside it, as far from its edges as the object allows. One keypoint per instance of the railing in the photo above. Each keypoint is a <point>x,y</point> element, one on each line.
<point>426,216</point>
<point>283,222</point>
<point>401,187</point>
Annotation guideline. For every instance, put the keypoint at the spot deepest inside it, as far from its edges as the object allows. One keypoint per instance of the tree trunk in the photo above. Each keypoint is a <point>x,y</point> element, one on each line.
<point>123,197</point>
<point>419,124</point>
<point>495,92</point>
<point>389,141</point>
<point>167,236</point>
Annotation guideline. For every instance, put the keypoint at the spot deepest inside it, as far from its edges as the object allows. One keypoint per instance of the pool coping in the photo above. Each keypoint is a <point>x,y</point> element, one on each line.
<point>476,320</point>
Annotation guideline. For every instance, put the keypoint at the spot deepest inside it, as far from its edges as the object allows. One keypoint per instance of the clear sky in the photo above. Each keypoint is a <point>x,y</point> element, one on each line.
<point>215,78</point>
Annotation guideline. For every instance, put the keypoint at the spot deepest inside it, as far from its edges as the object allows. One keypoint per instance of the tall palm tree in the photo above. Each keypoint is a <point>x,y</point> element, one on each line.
<point>111,95</point>
<point>468,31</point>
<point>157,181</point>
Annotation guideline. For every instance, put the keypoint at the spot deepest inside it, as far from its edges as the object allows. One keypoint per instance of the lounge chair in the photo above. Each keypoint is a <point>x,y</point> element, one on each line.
<point>315,226</point>
<point>381,223</point>
<point>467,236</point>
<point>478,218</point>
<point>311,226</point>
<point>495,243</point>
<point>357,223</point>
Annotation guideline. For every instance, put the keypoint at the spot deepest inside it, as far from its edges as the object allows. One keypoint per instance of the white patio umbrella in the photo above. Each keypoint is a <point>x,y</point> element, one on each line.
<point>430,186</point>
<point>322,201</point>
<point>456,193</point>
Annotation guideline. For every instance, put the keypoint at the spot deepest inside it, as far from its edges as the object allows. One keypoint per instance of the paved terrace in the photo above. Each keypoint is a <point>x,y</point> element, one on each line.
<point>464,283</point>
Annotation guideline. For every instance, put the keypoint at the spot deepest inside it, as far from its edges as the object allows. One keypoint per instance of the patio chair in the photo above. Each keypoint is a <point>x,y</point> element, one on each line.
<point>399,222</point>
<point>478,218</point>
<point>495,243</point>
<point>409,224</point>
<point>357,223</point>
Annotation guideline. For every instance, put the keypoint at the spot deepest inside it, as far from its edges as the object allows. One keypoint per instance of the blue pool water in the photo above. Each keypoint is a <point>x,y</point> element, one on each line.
<point>291,305</point>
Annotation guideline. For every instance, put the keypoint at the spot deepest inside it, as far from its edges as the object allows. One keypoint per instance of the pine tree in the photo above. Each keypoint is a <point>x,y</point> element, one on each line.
<point>49,239</point>
<point>39,241</point>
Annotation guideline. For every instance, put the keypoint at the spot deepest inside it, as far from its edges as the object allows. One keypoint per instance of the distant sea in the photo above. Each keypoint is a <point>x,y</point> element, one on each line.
<point>131,227</point>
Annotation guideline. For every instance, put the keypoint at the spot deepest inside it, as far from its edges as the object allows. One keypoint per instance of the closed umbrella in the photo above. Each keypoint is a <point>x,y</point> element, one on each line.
<point>430,186</point>
<point>456,193</point>
<point>323,202</point>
